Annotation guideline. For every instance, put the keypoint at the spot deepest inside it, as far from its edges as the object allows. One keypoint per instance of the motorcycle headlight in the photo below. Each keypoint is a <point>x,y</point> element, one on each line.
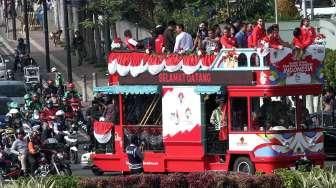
<point>60,155</point>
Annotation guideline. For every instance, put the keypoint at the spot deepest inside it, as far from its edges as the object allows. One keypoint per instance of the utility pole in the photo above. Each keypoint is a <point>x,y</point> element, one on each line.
<point>25,10</point>
<point>311,9</point>
<point>13,14</point>
<point>67,39</point>
<point>304,8</point>
<point>46,37</point>
<point>276,10</point>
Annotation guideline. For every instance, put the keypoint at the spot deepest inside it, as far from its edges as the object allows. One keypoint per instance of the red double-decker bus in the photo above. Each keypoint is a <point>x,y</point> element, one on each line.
<point>168,101</point>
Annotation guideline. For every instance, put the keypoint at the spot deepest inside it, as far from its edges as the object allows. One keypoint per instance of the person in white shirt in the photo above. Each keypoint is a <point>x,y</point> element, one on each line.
<point>183,41</point>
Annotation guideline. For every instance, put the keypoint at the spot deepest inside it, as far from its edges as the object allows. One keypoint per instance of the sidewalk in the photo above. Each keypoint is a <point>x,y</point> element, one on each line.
<point>57,57</point>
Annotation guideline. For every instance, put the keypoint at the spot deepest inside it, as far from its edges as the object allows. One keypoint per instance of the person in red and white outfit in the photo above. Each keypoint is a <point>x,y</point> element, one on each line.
<point>160,40</point>
<point>131,44</point>
<point>258,33</point>
<point>272,40</point>
<point>308,32</point>
<point>227,40</point>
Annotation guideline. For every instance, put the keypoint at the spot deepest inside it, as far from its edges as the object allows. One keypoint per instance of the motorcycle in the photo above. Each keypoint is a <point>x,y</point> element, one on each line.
<point>72,146</point>
<point>53,161</point>
<point>10,167</point>
<point>22,61</point>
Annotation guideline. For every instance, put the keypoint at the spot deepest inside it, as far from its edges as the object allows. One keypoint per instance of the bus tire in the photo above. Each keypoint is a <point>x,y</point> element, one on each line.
<point>243,165</point>
<point>96,171</point>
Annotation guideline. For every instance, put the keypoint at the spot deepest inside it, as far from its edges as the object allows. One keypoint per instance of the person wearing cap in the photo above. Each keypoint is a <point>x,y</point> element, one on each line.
<point>135,156</point>
<point>19,148</point>
<point>219,118</point>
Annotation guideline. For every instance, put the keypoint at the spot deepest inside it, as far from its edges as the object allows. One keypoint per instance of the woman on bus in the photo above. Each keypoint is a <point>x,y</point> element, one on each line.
<point>307,32</point>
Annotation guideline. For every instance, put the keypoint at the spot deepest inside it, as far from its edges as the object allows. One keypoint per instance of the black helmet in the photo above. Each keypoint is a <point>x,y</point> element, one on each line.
<point>20,41</point>
<point>49,104</point>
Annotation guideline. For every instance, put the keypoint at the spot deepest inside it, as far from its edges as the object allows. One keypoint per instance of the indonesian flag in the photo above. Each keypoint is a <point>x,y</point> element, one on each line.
<point>102,131</point>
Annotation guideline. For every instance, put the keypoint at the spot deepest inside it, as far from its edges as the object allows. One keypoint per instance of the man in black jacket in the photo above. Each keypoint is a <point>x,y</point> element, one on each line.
<point>135,156</point>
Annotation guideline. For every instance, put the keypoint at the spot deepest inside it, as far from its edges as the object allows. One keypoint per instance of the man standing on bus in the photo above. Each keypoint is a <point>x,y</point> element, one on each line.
<point>219,118</point>
<point>135,156</point>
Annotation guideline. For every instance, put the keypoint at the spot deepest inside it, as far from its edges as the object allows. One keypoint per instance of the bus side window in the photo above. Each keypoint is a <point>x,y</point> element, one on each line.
<point>239,114</point>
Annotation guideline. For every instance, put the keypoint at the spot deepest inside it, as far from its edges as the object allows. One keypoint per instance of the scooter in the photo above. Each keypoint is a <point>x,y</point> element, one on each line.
<point>10,167</point>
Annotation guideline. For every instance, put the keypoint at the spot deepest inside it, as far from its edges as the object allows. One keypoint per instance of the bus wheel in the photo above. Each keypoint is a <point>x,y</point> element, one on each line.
<point>96,171</point>
<point>243,165</point>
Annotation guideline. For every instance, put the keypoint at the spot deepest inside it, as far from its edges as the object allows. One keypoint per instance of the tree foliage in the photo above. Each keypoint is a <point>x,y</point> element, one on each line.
<point>287,10</point>
<point>329,69</point>
<point>149,13</point>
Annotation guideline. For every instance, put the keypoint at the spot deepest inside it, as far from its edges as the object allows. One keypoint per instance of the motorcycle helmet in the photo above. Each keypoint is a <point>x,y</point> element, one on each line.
<point>20,41</point>
<point>20,131</point>
<point>49,104</point>
<point>13,111</point>
<point>71,86</point>
<point>13,105</point>
<point>60,113</point>
<point>35,96</point>
<point>53,69</point>
<point>26,97</point>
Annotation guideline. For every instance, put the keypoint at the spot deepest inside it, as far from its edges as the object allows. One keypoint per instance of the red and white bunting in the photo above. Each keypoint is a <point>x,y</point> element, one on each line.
<point>137,63</point>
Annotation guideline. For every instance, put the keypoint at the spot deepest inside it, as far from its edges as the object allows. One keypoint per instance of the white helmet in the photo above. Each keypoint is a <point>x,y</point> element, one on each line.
<point>60,113</point>
<point>53,69</point>
<point>13,111</point>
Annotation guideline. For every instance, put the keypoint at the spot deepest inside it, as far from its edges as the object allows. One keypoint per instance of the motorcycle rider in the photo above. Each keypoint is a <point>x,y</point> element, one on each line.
<point>50,89</point>
<point>14,118</point>
<point>59,127</point>
<point>19,148</point>
<point>59,81</point>
<point>10,75</point>
<point>21,49</point>
<point>48,112</point>
<point>135,156</point>
<point>34,146</point>
<point>71,92</point>
<point>27,101</point>
<point>35,103</point>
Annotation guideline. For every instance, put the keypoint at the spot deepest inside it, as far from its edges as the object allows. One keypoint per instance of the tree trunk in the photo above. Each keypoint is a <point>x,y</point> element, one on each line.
<point>97,38</point>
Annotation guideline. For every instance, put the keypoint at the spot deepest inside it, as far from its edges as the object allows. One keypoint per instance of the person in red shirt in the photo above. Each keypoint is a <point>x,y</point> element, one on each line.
<point>160,40</point>
<point>274,42</point>
<point>308,32</point>
<point>249,35</point>
<point>258,33</point>
<point>298,44</point>
<point>227,40</point>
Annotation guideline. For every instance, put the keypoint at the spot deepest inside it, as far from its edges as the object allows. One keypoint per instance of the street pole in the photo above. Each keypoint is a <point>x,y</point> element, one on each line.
<point>304,8</point>
<point>67,40</point>
<point>276,10</point>
<point>25,9</point>
<point>311,9</point>
<point>13,18</point>
<point>46,37</point>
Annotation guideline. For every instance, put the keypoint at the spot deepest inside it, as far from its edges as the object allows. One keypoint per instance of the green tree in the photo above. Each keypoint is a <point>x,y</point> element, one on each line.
<point>329,69</point>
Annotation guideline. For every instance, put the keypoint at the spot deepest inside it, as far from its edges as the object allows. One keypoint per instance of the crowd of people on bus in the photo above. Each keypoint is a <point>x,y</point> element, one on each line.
<point>208,40</point>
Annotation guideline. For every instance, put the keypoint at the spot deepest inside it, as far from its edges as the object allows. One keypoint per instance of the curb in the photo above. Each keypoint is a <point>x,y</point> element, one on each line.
<point>55,60</point>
